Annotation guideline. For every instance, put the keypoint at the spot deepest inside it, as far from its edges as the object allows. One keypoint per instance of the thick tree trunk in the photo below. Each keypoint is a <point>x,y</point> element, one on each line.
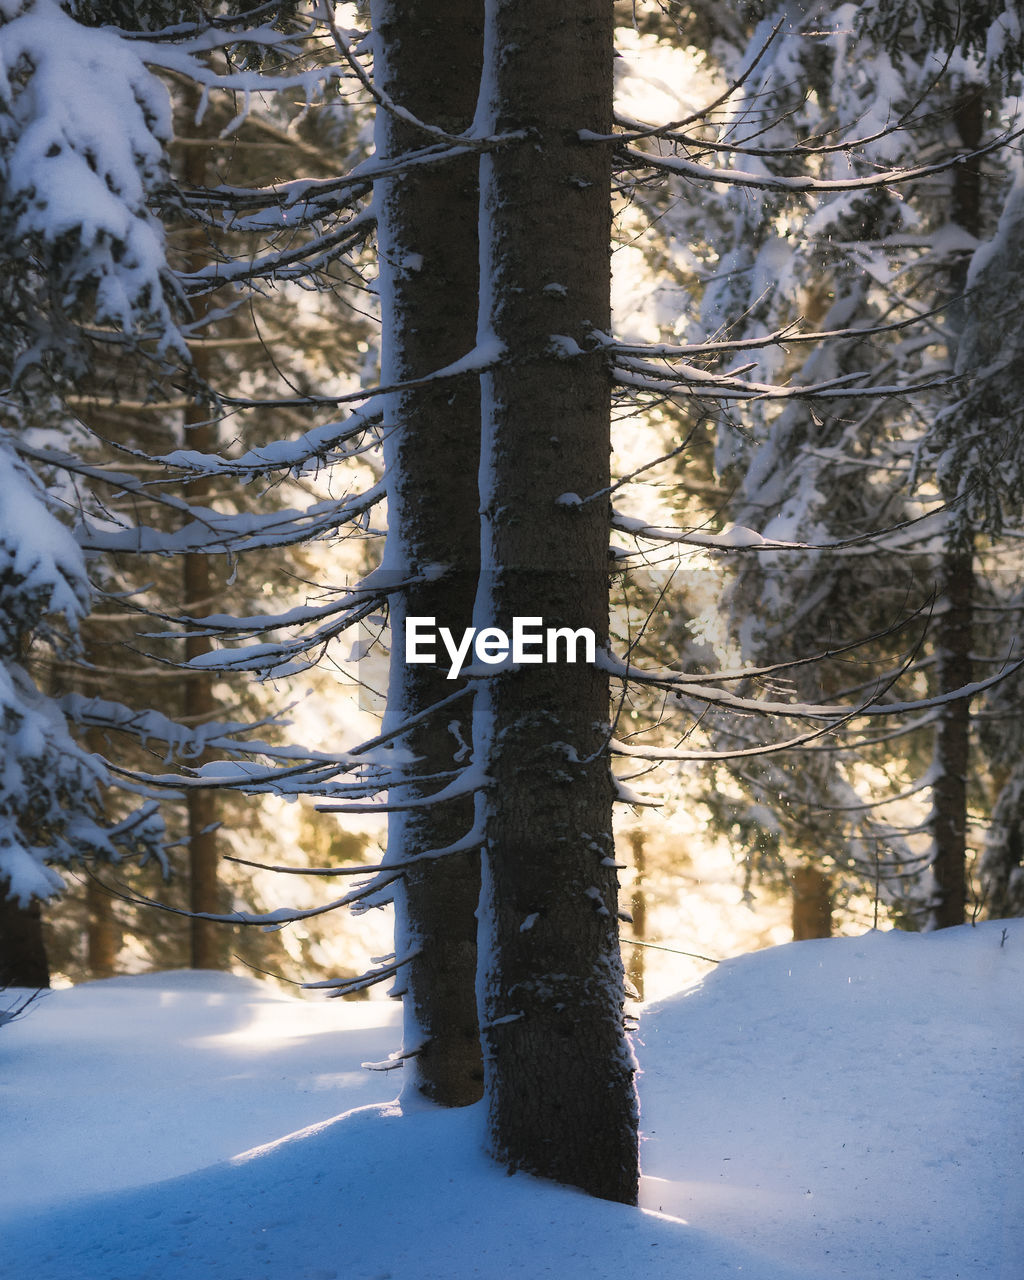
<point>427,59</point>
<point>23,961</point>
<point>558,1068</point>
<point>812,903</point>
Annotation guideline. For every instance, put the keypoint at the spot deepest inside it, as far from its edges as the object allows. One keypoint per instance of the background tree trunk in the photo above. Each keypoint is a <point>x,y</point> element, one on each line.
<point>954,621</point>
<point>638,912</point>
<point>558,1069</point>
<point>207,940</point>
<point>812,903</point>
<point>103,939</point>
<point>951,753</point>
<point>427,58</point>
<point>23,960</point>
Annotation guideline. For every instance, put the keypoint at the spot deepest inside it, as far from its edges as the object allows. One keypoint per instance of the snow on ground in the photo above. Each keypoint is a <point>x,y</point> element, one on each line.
<point>849,1108</point>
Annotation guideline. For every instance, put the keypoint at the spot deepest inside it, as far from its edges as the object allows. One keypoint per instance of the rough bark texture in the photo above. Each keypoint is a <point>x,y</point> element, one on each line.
<point>23,961</point>
<point>812,904</point>
<point>427,59</point>
<point>558,1069</point>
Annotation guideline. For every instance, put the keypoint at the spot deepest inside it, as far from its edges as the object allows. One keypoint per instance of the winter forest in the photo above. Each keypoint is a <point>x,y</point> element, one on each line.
<point>516,508</point>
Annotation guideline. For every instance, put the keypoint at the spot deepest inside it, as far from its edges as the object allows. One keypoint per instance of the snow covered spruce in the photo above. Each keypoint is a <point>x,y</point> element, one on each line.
<point>793,390</point>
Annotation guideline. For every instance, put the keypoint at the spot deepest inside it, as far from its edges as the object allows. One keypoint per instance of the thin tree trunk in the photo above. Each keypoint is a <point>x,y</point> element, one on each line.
<point>207,940</point>
<point>638,913</point>
<point>427,59</point>
<point>558,1069</point>
<point>951,750</point>
<point>103,934</point>
<point>812,903</point>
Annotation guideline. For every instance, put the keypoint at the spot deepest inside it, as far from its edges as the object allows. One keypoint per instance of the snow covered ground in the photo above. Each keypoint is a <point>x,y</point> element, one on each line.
<point>823,1109</point>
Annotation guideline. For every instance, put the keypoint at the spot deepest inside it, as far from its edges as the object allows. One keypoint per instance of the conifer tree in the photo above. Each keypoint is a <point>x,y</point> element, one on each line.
<point>494,396</point>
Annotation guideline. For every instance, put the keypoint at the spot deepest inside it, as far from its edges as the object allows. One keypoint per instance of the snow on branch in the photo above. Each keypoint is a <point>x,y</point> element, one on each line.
<point>635,130</point>
<point>314,450</point>
<point>312,772</point>
<point>737,538</point>
<point>42,570</point>
<point>268,920</point>
<point>79,173</point>
<point>838,715</point>
<point>486,355</point>
<point>386,970</point>
<point>272,659</point>
<point>381,877</point>
<point>297,263</point>
<point>345,47</point>
<point>317,197</point>
<point>688,379</point>
<point>206,531</point>
<point>214,533</point>
<point>181,742</point>
<point>801,184</point>
<point>469,843</point>
<point>788,335</point>
<point>465,783</point>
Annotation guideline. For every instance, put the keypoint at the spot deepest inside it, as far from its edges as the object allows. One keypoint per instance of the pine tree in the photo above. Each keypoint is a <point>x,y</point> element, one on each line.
<point>526,353</point>
<point>558,1072</point>
<point>841,470</point>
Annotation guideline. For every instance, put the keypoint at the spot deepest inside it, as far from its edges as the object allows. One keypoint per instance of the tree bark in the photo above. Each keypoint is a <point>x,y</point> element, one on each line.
<point>207,940</point>
<point>812,903</point>
<point>23,961</point>
<point>951,749</point>
<point>427,59</point>
<point>558,1068</point>
<point>206,946</point>
<point>103,934</point>
<point>954,623</point>
<point>638,912</point>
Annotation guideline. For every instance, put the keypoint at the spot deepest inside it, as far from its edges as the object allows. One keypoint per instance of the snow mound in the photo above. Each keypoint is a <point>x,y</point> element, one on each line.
<point>845,1108</point>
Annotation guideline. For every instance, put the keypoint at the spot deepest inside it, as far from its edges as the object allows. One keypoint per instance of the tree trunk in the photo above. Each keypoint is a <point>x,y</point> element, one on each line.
<point>23,961</point>
<point>103,933</point>
<point>638,912</point>
<point>812,903</point>
<point>558,1068</point>
<point>427,59</point>
<point>207,940</point>
<point>951,751</point>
